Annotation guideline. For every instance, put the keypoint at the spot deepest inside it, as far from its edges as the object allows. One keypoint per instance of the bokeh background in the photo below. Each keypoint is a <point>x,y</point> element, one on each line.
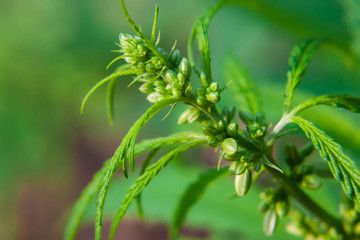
<point>52,52</point>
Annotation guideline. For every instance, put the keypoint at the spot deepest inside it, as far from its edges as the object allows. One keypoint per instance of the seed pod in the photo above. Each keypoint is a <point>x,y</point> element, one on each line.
<point>229,146</point>
<point>175,57</point>
<point>147,88</point>
<point>200,92</point>
<point>201,100</point>
<point>185,68</point>
<point>170,76</point>
<point>243,183</point>
<point>270,222</point>
<point>209,130</point>
<point>154,97</point>
<point>204,80</point>
<point>213,97</point>
<point>282,208</point>
<point>232,129</point>
<point>214,86</point>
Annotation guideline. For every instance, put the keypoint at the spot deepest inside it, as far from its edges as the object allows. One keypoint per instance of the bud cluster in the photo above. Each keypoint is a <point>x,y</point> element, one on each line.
<point>209,94</point>
<point>255,126</point>
<point>274,204</point>
<point>160,79</point>
<point>312,229</point>
<point>351,217</point>
<point>299,172</point>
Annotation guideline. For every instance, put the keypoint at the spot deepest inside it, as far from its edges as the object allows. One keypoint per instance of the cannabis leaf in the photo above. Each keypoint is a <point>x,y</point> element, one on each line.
<point>110,101</point>
<point>341,166</point>
<point>234,72</point>
<point>338,101</point>
<point>298,63</point>
<point>122,71</point>
<point>193,194</point>
<point>94,186</point>
<point>144,180</point>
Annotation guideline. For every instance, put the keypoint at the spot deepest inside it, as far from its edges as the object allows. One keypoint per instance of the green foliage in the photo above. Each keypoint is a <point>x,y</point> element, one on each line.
<point>298,63</point>
<point>341,166</point>
<point>192,194</point>
<point>143,181</point>
<point>241,82</point>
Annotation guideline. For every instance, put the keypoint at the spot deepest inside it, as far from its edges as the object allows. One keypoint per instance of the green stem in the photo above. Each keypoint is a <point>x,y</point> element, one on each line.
<point>293,189</point>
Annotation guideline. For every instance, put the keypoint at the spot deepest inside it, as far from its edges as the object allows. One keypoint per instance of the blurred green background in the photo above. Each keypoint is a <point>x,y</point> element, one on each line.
<point>52,52</point>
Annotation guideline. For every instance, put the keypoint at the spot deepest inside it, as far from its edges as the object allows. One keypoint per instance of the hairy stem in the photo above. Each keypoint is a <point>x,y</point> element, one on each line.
<point>293,189</point>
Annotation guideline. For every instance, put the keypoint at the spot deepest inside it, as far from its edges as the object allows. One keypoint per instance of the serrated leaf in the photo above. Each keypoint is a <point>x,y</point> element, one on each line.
<point>145,179</point>
<point>94,186</point>
<point>122,72</point>
<point>337,101</point>
<point>242,83</point>
<point>341,166</point>
<point>299,59</point>
<point>193,194</point>
<point>124,155</point>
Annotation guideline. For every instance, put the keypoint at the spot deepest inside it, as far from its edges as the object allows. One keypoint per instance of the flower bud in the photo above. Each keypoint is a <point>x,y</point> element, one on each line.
<point>209,130</point>
<point>175,57</point>
<point>263,206</point>
<point>154,97</point>
<point>161,90</point>
<point>170,76</point>
<point>159,83</point>
<point>214,86</point>
<point>232,129</point>
<point>213,97</point>
<point>270,222</point>
<point>185,68</point>
<point>194,115</point>
<point>201,100</point>
<point>188,89</point>
<point>147,88</point>
<point>181,79</point>
<point>150,68</point>
<point>200,92</point>
<point>176,92</point>
<point>240,168</point>
<point>229,146</point>
<point>184,116</point>
<point>204,80</point>
<point>243,183</point>
<point>221,126</point>
<point>282,208</point>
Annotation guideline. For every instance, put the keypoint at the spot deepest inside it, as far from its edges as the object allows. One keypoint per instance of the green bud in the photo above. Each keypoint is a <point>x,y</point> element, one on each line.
<point>221,126</point>
<point>270,222</point>
<point>232,129</point>
<point>159,83</point>
<point>154,97</point>
<point>257,166</point>
<point>228,114</point>
<point>150,68</point>
<point>175,57</point>
<point>157,62</point>
<point>177,92</point>
<point>184,116</point>
<point>147,88</point>
<point>213,97</point>
<point>195,114</point>
<point>204,80</point>
<point>200,92</point>
<point>213,142</point>
<point>263,206</point>
<point>185,68</point>
<point>229,146</point>
<point>282,208</point>
<point>310,182</point>
<point>240,168</point>
<point>170,76</point>
<point>163,52</point>
<point>209,130</point>
<point>231,158</point>
<point>214,86</point>
<point>201,101</point>
<point>246,117</point>
<point>208,90</point>
<point>181,79</point>
<point>243,183</point>
<point>188,89</point>
<point>161,90</point>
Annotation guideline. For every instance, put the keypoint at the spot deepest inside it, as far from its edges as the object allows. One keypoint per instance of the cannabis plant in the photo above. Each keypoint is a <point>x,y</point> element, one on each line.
<point>241,136</point>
